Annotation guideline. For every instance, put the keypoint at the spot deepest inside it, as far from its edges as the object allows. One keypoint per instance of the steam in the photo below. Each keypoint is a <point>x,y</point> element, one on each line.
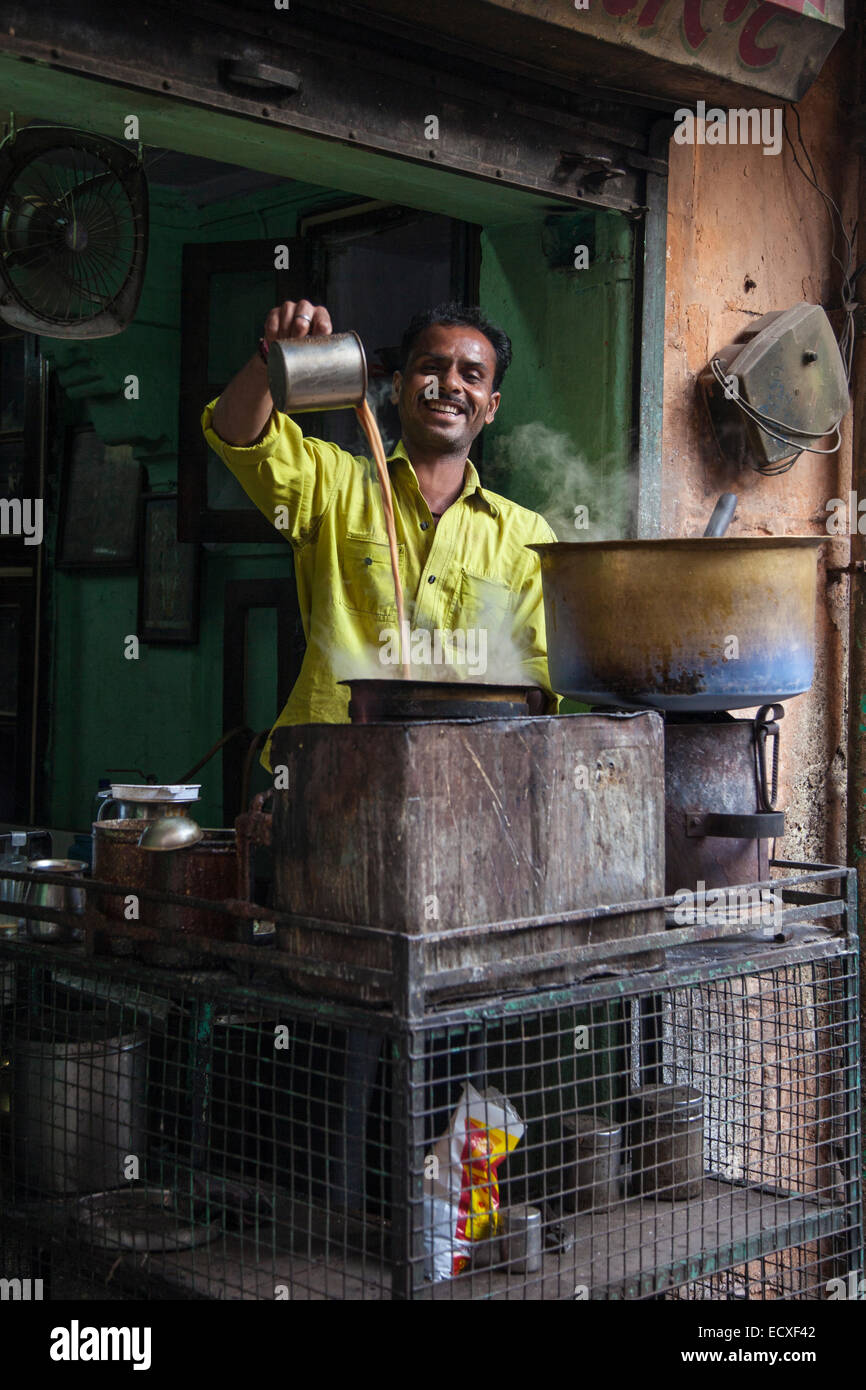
<point>483,650</point>
<point>581,502</point>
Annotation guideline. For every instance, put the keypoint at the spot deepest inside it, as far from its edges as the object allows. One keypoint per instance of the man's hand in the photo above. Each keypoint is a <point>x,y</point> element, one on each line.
<point>301,320</point>
<point>243,411</point>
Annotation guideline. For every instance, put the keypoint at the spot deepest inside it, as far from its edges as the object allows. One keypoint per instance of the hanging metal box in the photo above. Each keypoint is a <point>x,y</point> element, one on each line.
<point>452,832</point>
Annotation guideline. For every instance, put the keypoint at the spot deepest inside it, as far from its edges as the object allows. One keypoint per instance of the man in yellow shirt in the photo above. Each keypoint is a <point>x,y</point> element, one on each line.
<point>464,564</point>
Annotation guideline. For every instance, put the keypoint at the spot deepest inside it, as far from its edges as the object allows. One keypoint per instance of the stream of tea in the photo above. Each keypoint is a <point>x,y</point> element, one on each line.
<point>370,427</point>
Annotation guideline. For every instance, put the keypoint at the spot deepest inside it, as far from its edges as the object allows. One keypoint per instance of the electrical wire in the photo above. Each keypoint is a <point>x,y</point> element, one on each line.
<point>850,275</point>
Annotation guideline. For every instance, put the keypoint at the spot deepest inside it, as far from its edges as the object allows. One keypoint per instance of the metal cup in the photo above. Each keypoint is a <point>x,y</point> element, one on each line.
<point>63,897</point>
<point>328,373</point>
<point>520,1240</point>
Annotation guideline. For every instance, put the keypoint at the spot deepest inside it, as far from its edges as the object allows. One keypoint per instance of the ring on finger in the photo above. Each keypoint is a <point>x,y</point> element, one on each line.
<point>308,318</point>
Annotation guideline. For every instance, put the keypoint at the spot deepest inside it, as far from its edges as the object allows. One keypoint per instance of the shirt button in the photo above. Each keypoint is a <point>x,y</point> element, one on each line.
<point>432,579</point>
<point>425,525</point>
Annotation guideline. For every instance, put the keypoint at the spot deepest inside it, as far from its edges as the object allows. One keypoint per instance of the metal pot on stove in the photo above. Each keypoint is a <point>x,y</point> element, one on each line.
<point>402,701</point>
<point>689,625</point>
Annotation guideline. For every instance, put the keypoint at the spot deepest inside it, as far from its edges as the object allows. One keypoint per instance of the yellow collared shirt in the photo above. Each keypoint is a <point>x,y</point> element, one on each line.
<point>471,575</point>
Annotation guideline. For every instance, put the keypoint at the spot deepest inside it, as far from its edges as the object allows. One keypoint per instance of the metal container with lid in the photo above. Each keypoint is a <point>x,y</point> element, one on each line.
<point>668,1142</point>
<point>592,1162</point>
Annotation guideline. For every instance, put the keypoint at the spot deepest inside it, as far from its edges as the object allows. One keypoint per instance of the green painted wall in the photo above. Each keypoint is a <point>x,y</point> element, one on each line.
<point>162,712</point>
<point>563,435</point>
<point>562,439</point>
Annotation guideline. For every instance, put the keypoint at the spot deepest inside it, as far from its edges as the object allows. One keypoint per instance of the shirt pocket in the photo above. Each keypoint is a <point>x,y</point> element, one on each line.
<point>484,604</point>
<point>367,581</point>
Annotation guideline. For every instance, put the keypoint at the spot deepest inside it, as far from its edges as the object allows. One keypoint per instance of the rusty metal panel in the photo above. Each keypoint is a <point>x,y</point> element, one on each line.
<point>423,828</point>
<point>715,49</point>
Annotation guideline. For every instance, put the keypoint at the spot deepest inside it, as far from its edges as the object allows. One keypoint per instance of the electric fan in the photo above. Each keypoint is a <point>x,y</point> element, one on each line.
<point>73,232</point>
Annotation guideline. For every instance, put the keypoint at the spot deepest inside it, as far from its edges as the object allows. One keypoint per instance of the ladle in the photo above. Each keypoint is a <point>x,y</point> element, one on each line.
<point>170,833</point>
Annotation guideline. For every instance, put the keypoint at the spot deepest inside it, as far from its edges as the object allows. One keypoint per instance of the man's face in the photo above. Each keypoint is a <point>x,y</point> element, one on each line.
<point>446,397</point>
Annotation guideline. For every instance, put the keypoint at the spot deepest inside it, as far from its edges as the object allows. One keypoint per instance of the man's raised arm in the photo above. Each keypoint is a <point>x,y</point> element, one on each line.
<point>244,409</point>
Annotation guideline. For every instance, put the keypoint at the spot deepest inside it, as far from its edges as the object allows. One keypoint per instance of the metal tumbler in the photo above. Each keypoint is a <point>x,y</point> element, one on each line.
<point>327,373</point>
<point>64,897</point>
<point>520,1240</point>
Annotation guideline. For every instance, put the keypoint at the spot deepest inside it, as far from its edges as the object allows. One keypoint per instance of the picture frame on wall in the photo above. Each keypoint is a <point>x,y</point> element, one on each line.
<point>169,577</point>
<point>99,504</point>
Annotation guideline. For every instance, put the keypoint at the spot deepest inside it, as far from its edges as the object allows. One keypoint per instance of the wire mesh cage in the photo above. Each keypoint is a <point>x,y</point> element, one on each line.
<point>688,1132</point>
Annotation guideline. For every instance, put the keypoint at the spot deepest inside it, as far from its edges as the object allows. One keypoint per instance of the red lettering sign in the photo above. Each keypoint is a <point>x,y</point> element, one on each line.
<point>752,55</point>
<point>751,51</point>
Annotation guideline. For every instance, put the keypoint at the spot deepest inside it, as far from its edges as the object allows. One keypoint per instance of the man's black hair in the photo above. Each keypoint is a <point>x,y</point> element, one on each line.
<point>455,315</point>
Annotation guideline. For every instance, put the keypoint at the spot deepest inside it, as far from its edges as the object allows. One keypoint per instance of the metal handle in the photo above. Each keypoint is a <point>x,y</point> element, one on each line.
<point>761,825</point>
<point>247,72</point>
<point>767,728</point>
<point>722,514</point>
<point>109,801</point>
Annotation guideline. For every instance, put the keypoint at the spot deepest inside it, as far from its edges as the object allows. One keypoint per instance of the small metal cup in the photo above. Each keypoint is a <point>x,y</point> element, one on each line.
<point>57,896</point>
<point>520,1240</point>
<point>327,373</point>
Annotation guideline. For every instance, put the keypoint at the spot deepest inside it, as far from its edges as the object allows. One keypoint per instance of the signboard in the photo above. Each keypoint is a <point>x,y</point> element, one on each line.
<point>701,48</point>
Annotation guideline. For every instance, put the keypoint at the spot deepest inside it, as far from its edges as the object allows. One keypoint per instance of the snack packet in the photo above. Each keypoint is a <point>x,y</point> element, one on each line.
<point>461,1187</point>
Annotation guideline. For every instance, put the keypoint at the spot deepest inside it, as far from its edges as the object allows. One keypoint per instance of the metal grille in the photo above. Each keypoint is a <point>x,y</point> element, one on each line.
<point>690,1132</point>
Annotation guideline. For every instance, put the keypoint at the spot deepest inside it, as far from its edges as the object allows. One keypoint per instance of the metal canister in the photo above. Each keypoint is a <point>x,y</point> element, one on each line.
<point>322,373</point>
<point>668,1152</point>
<point>592,1162</point>
<point>520,1240</point>
<point>79,1101</point>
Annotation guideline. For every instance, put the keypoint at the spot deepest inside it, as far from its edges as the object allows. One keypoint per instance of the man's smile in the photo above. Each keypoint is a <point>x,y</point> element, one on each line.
<point>443,408</point>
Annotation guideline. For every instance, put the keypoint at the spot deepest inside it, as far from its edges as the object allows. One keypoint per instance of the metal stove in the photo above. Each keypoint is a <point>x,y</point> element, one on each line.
<point>721,785</point>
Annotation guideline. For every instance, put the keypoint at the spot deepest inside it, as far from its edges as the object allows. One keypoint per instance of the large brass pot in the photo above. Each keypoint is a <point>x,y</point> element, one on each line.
<point>681,624</point>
